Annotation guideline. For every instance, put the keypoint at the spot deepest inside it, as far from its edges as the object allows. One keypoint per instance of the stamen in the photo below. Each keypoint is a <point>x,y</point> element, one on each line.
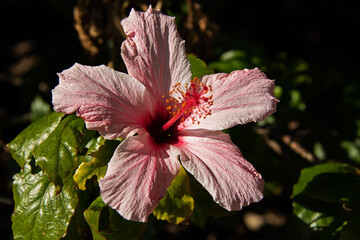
<point>191,105</point>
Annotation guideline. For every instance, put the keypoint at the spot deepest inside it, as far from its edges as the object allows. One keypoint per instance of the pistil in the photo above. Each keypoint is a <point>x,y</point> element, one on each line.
<point>190,105</point>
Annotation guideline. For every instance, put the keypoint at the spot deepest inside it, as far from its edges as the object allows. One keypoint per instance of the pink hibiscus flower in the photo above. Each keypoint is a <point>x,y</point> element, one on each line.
<point>166,119</point>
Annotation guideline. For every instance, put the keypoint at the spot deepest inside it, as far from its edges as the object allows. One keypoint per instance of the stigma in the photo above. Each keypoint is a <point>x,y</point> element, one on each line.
<point>189,103</point>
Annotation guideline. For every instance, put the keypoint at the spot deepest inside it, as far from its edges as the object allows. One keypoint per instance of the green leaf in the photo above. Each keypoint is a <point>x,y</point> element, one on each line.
<point>178,205</point>
<point>316,215</point>
<point>58,154</point>
<point>41,212</point>
<point>101,152</point>
<point>92,217</point>
<point>106,223</point>
<point>198,218</point>
<point>308,174</point>
<point>337,188</point>
<point>325,195</point>
<point>198,67</point>
<point>22,147</point>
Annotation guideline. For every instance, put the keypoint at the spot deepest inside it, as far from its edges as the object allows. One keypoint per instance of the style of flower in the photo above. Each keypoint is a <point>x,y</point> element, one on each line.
<point>166,119</point>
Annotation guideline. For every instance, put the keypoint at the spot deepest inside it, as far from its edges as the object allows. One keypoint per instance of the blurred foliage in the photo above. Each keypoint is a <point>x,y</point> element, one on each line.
<point>39,108</point>
<point>327,197</point>
<point>306,47</point>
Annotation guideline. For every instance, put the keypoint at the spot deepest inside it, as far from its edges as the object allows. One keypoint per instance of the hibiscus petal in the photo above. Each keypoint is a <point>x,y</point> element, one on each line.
<point>153,52</point>
<point>238,98</point>
<point>138,176</point>
<point>110,102</point>
<point>219,166</point>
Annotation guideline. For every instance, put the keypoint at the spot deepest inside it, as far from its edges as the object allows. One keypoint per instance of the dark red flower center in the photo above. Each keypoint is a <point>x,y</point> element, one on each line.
<point>160,136</point>
<point>188,105</point>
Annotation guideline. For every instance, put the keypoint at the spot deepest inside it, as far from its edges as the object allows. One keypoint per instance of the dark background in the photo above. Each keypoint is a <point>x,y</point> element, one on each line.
<point>309,48</point>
